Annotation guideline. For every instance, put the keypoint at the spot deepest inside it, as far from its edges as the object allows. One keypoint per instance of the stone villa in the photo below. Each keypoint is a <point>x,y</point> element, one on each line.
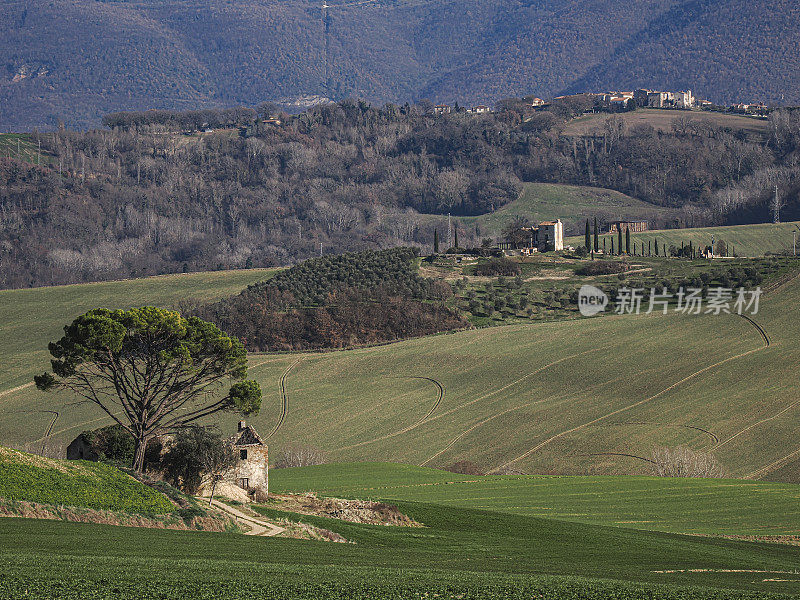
<point>547,235</point>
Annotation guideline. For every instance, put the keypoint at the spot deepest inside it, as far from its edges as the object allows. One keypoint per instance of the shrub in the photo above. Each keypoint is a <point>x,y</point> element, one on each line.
<point>465,467</point>
<point>685,462</point>
<point>299,456</point>
<point>498,266</point>
<point>601,267</point>
<point>186,461</point>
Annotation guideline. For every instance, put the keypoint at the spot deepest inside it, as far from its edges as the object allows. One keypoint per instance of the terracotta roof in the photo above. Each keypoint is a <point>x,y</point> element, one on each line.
<point>249,437</point>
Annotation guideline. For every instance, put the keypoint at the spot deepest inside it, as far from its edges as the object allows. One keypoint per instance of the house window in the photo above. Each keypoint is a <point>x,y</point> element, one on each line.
<point>243,454</point>
<point>244,483</point>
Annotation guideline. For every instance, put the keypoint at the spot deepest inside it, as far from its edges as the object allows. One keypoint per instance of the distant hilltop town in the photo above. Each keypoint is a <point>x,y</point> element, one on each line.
<point>624,101</point>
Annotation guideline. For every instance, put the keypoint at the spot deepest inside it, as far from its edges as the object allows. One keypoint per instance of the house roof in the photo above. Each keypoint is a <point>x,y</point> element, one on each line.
<point>248,437</point>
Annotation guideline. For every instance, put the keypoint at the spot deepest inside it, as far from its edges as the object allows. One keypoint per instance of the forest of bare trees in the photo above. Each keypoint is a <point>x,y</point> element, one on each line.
<point>142,199</point>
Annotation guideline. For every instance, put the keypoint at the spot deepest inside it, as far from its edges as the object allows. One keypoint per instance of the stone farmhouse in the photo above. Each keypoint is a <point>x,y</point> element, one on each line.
<point>251,473</point>
<point>656,99</point>
<point>547,235</point>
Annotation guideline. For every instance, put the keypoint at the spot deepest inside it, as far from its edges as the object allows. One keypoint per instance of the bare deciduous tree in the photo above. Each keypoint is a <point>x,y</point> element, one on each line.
<point>216,459</point>
<point>297,455</point>
<point>685,462</point>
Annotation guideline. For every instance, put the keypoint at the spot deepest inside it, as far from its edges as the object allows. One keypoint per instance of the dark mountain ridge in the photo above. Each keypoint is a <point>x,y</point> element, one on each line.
<point>73,61</point>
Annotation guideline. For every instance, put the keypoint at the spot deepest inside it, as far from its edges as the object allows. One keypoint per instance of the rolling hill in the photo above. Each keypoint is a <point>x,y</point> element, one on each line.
<point>570,203</point>
<point>745,240</point>
<point>74,61</point>
<point>579,396</point>
<point>664,121</point>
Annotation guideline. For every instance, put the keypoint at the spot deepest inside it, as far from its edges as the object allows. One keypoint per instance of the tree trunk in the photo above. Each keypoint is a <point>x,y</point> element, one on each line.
<point>213,488</point>
<point>138,457</point>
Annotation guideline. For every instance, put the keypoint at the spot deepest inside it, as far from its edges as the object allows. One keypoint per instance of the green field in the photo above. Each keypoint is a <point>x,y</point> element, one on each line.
<point>30,318</point>
<point>550,397</point>
<point>22,146</point>
<point>746,240</point>
<point>570,203</point>
<point>565,397</point>
<point>460,553</point>
<point>661,120</point>
<point>696,506</point>
<point>75,483</point>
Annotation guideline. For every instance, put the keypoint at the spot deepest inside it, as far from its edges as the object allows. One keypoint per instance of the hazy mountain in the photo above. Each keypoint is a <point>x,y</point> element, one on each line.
<point>76,60</point>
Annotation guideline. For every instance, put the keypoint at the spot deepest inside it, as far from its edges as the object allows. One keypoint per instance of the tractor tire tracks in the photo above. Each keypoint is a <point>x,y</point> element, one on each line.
<point>749,427</point>
<point>760,472</point>
<point>711,435</point>
<point>759,328</point>
<point>465,404</point>
<point>697,373</point>
<point>284,399</point>
<point>439,398</point>
<point>454,441</point>
<point>49,429</point>
<point>619,454</point>
<point>16,389</point>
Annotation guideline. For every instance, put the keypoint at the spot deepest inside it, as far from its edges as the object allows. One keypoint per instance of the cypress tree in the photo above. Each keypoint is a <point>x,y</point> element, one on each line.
<point>456,240</point>
<point>627,241</point>
<point>436,241</point>
<point>604,245</point>
<point>596,241</point>
<point>612,244</point>
<point>649,248</point>
<point>586,236</point>
<point>619,240</point>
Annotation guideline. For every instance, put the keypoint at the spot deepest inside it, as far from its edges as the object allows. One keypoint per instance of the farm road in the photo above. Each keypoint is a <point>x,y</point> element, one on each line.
<point>257,526</point>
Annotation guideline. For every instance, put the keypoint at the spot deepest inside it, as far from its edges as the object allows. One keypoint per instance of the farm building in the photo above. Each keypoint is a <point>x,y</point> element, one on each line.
<point>547,235</point>
<point>252,470</point>
<point>250,474</point>
<point>632,226</point>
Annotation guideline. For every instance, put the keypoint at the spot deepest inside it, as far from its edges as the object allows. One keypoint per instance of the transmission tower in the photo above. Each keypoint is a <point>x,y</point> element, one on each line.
<point>776,207</point>
<point>326,17</point>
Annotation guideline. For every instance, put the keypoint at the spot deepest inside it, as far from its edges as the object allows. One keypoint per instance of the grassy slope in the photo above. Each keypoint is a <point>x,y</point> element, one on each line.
<point>662,120</point>
<point>75,483</point>
<point>21,146</point>
<point>747,240</point>
<point>698,506</point>
<point>547,397</point>
<point>570,203</point>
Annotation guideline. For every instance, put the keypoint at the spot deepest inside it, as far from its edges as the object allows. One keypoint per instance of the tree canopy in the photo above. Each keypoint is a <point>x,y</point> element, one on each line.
<point>151,370</point>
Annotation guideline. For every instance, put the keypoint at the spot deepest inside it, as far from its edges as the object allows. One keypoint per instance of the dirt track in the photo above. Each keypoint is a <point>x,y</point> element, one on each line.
<point>284,399</point>
<point>257,526</point>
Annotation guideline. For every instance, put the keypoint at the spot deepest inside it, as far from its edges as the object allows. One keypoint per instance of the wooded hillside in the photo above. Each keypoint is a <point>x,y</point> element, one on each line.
<point>145,199</point>
<point>73,61</point>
